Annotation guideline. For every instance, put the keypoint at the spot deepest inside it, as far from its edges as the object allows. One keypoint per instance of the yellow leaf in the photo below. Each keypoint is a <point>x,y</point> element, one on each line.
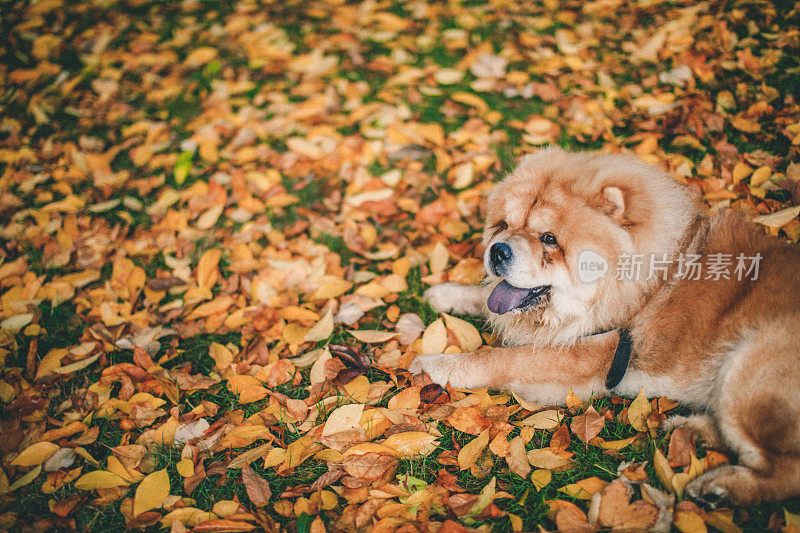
<point>585,488</point>
<point>791,519</point>
<point>317,374</point>
<point>663,470</point>
<point>472,450</point>
<point>466,334</point>
<point>573,402</point>
<point>331,287</point>
<point>548,419</point>
<point>357,390</point>
<point>99,479</point>
<point>221,355</point>
<point>50,361</point>
<point>200,56</point>
<point>615,444</point>
<point>294,312</point>
<point>21,482</point>
<point>517,459</point>
<point>207,271</point>
<point>448,76</point>
<point>740,171</point>
<point>541,478</point>
<point>188,516</point>
<point>35,454</point>
<point>371,336</point>
<point>719,520</point>
<point>689,522</point>
<point>16,322</point>
<point>77,365</point>
<point>151,492</point>
<point>639,411</point>
<point>760,175</point>
<point>344,418</point>
<point>185,467</point>
<point>471,100</point>
<point>209,217</point>
<point>434,340</point>
<point>779,218</point>
<point>525,404</point>
<point>438,258</point>
<point>545,458</point>
<point>322,329</point>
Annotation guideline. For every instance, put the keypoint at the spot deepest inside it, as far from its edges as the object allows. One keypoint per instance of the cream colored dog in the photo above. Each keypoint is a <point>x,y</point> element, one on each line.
<point>583,249</point>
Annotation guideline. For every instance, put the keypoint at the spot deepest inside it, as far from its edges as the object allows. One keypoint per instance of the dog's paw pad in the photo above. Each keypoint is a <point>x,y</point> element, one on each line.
<point>706,492</point>
<point>712,500</point>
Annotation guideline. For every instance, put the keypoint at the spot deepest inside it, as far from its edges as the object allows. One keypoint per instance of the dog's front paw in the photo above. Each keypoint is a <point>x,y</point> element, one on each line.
<point>445,297</point>
<point>712,490</point>
<point>441,367</point>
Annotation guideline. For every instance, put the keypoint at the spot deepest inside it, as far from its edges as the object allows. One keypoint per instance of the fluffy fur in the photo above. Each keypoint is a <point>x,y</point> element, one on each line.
<point>725,347</point>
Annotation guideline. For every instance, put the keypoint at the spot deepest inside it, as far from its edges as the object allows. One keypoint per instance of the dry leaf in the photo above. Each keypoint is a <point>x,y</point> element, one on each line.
<point>588,425</point>
<point>467,336</point>
<point>470,452</point>
<point>517,458</point>
<point>639,411</point>
<point>434,340</point>
<point>35,454</point>
<point>151,492</point>
<point>541,478</point>
<point>549,419</point>
<point>256,486</point>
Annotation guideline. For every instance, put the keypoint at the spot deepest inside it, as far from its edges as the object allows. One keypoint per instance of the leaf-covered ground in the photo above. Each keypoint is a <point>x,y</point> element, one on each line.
<point>202,203</point>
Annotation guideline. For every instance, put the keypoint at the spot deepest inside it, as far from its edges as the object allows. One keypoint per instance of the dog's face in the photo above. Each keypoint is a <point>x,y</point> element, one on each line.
<point>559,214</point>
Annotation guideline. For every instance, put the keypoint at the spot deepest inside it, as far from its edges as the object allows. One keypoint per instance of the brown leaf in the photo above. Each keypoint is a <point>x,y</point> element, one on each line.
<point>588,425</point>
<point>350,356</point>
<point>256,486</point>
<point>328,478</point>
<point>347,375</point>
<point>569,518</point>
<point>223,525</point>
<point>517,459</point>
<point>615,510</point>
<point>560,440</point>
<point>681,448</point>
<point>368,466</point>
<point>433,393</point>
<point>469,420</point>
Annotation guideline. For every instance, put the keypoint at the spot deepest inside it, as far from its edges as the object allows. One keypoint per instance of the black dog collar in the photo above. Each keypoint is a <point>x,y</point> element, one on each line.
<point>622,356</point>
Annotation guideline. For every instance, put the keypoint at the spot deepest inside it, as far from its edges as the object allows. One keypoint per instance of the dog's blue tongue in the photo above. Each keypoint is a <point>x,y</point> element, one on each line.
<point>506,297</point>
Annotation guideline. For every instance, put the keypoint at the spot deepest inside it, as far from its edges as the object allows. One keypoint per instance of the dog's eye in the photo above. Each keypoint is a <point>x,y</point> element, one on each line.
<point>501,226</point>
<point>549,239</point>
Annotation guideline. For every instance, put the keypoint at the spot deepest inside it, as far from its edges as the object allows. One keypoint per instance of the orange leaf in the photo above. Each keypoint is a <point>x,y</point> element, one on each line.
<point>588,425</point>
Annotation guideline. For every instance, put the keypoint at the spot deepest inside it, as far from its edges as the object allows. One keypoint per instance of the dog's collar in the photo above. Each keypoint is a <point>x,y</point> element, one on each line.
<point>622,357</point>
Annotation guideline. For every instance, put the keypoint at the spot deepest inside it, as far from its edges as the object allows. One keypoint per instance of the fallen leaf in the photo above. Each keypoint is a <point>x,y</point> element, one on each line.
<point>467,336</point>
<point>588,425</point>
<point>434,340</point>
<point>35,454</point>
<point>549,419</point>
<point>517,458</point>
<point>256,487</point>
<point>151,492</point>
<point>639,411</point>
<point>470,452</point>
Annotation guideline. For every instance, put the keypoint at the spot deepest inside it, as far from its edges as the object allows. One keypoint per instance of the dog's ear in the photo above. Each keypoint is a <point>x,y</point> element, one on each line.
<point>613,203</point>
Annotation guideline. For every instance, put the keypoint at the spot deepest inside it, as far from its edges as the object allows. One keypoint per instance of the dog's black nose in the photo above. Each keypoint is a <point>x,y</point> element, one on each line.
<point>499,253</point>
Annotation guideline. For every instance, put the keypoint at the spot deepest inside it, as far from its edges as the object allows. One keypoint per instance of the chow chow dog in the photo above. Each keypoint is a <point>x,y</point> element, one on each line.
<point>606,275</point>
